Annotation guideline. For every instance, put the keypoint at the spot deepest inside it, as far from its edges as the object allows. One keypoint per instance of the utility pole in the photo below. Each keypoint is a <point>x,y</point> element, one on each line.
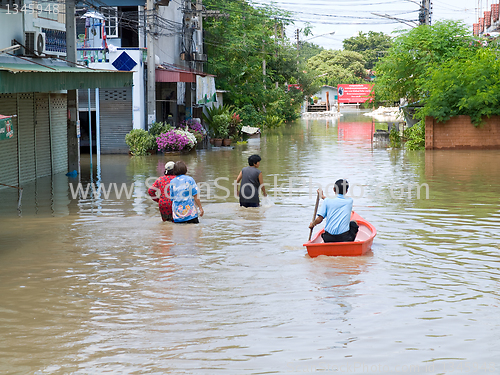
<point>151,88</point>
<point>425,12</point>
<point>73,136</point>
<point>276,44</point>
<point>297,39</point>
<point>264,66</point>
<point>199,13</point>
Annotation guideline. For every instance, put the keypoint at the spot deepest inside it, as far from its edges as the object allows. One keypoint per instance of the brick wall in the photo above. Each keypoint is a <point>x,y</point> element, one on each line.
<point>460,133</point>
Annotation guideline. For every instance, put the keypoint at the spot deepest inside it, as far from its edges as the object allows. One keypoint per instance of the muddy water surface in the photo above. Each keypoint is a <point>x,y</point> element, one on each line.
<point>95,285</point>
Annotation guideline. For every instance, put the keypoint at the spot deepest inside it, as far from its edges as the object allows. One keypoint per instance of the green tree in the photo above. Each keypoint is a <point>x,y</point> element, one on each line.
<point>406,68</point>
<point>308,50</point>
<point>466,85</point>
<point>238,44</point>
<point>334,67</point>
<point>372,46</point>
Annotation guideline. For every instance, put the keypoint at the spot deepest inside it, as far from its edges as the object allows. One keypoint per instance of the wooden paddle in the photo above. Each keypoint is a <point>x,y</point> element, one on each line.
<point>314,216</point>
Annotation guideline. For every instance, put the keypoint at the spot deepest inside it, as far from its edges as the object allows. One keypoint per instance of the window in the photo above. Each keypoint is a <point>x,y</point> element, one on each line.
<point>111,18</point>
<point>11,4</point>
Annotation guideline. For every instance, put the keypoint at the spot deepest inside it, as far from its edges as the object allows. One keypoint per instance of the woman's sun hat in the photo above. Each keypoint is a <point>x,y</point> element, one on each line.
<point>169,166</point>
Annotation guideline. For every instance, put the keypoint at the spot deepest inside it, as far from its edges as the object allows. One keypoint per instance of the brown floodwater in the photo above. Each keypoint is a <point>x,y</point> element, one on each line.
<point>100,285</point>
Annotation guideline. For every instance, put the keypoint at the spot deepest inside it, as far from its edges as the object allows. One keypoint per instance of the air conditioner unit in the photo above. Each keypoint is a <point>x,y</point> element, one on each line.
<point>199,56</point>
<point>34,42</point>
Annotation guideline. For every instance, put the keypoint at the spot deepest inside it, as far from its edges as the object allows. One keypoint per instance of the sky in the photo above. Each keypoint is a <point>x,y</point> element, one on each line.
<point>348,17</point>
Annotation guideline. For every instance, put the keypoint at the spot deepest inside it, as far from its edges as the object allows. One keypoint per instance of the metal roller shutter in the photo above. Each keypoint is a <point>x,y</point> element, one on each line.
<point>116,119</point>
<point>42,136</point>
<point>9,165</point>
<point>59,132</point>
<point>27,171</point>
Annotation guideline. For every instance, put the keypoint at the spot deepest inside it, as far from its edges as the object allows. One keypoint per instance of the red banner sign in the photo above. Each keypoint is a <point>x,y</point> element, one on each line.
<point>354,93</point>
<point>295,86</point>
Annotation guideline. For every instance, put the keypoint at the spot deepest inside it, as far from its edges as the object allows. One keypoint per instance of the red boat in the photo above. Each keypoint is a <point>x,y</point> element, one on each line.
<point>361,245</point>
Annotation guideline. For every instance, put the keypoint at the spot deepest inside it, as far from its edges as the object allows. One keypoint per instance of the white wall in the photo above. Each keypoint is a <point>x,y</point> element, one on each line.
<point>322,94</point>
<point>138,81</point>
<point>11,28</point>
<point>168,48</point>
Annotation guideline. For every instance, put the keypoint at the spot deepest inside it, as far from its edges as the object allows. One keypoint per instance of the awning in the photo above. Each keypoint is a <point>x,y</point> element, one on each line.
<point>172,73</point>
<point>45,75</point>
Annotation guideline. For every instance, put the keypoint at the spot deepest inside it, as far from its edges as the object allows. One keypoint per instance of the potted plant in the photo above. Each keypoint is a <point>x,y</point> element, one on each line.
<point>233,129</point>
<point>139,141</point>
<point>209,115</point>
<point>196,129</point>
<point>220,128</point>
<point>176,140</point>
<point>155,129</point>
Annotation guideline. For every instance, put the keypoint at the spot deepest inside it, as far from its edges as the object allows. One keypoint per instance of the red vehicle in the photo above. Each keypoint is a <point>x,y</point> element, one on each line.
<point>361,245</point>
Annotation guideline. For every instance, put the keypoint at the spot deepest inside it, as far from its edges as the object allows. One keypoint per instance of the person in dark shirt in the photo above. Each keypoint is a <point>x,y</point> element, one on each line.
<point>251,180</point>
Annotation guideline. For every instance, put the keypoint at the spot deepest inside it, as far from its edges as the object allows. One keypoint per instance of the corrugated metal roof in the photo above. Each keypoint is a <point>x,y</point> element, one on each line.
<point>23,68</point>
<point>173,73</point>
<point>20,75</point>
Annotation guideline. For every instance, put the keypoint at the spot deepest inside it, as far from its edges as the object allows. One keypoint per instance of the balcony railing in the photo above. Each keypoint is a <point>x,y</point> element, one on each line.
<point>88,55</point>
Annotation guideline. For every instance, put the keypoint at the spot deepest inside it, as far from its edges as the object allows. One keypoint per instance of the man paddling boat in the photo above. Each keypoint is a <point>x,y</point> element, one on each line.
<point>337,213</point>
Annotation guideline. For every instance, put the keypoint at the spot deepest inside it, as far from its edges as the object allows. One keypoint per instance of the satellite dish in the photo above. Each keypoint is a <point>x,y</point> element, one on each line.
<point>40,44</point>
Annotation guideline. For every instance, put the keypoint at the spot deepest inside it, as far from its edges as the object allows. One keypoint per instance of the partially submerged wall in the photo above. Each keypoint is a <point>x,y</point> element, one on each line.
<point>459,133</point>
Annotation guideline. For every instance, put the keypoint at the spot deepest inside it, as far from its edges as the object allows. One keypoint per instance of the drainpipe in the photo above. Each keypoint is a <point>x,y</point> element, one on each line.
<point>151,93</point>
<point>90,132</point>
<point>98,133</point>
<point>73,137</point>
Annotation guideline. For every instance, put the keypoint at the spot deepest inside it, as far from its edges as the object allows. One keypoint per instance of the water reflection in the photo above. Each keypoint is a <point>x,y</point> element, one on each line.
<point>90,285</point>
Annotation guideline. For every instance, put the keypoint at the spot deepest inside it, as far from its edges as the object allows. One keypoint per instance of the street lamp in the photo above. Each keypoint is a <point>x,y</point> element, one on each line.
<point>317,36</point>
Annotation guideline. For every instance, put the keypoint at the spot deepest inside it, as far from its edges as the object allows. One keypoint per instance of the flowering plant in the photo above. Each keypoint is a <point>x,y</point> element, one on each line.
<point>176,140</point>
<point>194,125</point>
<point>195,128</point>
<point>235,125</point>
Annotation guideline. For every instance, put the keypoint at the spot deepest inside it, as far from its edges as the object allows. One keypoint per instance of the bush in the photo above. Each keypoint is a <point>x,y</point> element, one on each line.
<point>415,136</point>
<point>140,142</point>
<point>156,128</point>
<point>395,138</point>
<point>250,116</point>
<point>285,105</point>
<point>273,121</point>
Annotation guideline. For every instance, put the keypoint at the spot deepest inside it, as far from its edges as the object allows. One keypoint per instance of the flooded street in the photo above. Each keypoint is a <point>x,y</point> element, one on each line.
<point>96,285</point>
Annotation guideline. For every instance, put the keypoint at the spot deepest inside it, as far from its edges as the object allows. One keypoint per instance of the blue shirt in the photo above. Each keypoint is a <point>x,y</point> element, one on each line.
<point>182,190</point>
<point>337,213</point>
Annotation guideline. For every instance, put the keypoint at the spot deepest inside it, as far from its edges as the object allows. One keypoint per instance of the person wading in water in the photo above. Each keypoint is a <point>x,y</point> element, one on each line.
<point>251,180</point>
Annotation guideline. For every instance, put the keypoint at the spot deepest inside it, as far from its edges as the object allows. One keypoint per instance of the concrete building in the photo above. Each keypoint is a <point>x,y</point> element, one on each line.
<point>33,90</point>
<point>112,35</point>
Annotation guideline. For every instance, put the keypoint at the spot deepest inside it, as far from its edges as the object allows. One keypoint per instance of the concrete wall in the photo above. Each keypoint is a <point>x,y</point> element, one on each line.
<point>460,133</point>
<point>168,47</point>
<point>12,28</point>
<point>138,79</point>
